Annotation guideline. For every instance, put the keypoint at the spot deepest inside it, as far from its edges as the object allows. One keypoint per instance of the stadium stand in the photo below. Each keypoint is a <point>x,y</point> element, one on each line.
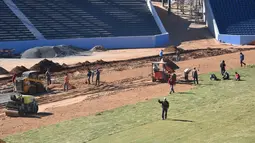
<point>63,19</point>
<point>11,28</point>
<point>234,17</point>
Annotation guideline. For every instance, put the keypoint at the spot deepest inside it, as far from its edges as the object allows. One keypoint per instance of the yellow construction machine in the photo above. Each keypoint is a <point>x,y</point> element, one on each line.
<point>21,105</point>
<point>29,83</point>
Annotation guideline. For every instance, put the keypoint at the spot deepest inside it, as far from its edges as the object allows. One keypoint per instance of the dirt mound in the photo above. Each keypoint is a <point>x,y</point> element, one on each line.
<point>98,48</point>
<point>43,65</point>
<point>51,51</point>
<point>3,71</point>
<point>170,49</point>
<point>18,70</point>
<point>100,62</point>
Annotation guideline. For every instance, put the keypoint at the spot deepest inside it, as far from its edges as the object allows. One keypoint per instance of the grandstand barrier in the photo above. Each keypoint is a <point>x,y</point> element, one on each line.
<point>126,42</point>
<point>210,20</point>
<point>236,39</point>
<point>88,43</point>
<point>224,38</point>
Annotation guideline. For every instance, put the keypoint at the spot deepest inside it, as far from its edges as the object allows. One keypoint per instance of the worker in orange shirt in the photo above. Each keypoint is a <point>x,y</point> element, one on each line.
<point>66,82</point>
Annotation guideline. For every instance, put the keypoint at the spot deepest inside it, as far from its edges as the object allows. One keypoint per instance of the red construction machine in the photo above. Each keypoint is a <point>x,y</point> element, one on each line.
<point>161,70</point>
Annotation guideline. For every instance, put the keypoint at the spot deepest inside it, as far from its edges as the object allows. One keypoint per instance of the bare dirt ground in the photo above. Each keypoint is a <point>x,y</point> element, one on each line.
<point>118,88</point>
<point>122,84</point>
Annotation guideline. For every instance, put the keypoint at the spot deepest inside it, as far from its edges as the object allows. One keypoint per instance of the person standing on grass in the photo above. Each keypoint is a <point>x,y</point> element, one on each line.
<point>222,67</point>
<point>66,82</point>
<point>165,106</point>
<point>242,59</point>
<point>97,77</point>
<point>195,76</point>
<point>161,55</point>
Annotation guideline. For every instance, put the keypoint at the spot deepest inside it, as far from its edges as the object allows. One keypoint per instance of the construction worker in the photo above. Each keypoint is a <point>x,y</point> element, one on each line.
<point>66,82</point>
<point>222,67</point>
<point>89,75</point>
<point>195,76</point>
<point>186,74</point>
<point>48,76</point>
<point>213,77</point>
<point>165,106</point>
<point>225,76</point>
<point>242,59</point>
<point>178,55</point>
<point>92,75</point>
<point>161,55</point>
<point>237,76</point>
<point>97,77</point>
<point>14,81</point>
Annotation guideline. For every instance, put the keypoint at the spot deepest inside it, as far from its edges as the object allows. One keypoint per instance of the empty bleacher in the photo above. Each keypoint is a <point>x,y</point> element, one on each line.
<point>11,28</point>
<point>61,19</point>
<point>234,17</point>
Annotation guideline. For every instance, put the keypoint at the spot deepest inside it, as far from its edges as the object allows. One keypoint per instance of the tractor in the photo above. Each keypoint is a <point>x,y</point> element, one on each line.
<point>161,70</point>
<point>21,105</point>
<point>29,83</point>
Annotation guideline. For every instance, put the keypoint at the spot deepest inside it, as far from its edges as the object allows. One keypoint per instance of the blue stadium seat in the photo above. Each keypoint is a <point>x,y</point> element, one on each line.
<point>11,28</point>
<point>234,17</point>
<point>61,19</point>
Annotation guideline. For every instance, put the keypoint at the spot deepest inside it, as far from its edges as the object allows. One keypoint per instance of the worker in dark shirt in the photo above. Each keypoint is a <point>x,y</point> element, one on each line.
<point>195,76</point>
<point>89,75</point>
<point>165,106</point>
<point>225,76</point>
<point>242,59</point>
<point>97,77</point>
<point>222,67</point>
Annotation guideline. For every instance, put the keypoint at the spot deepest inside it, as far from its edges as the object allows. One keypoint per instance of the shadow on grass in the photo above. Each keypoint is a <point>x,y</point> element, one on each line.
<point>180,120</point>
<point>186,93</point>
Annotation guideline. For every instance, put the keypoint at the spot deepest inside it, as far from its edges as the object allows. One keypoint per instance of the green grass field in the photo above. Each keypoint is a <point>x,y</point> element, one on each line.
<point>215,111</point>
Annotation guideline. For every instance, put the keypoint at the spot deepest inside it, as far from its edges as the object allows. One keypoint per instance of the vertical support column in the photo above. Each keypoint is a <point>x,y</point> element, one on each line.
<point>169,7</point>
<point>162,3</point>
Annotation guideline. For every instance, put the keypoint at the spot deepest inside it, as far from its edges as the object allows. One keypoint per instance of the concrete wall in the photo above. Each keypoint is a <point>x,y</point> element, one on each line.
<point>236,39</point>
<point>210,20</point>
<point>224,38</point>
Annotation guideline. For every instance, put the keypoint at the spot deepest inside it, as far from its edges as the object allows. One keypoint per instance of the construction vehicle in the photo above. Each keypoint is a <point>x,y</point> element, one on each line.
<point>162,70</point>
<point>29,83</point>
<point>21,105</point>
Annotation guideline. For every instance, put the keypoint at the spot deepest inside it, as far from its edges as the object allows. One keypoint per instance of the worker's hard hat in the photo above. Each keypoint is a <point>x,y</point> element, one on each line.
<point>164,98</point>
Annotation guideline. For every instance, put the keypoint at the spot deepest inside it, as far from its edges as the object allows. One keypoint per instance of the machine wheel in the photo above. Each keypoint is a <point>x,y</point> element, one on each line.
<point>153,79</point>
<point>40,88</point>
<point>11,105</point>
<point>21,111</point>
<point>35,108</point>
<point>32,90</point>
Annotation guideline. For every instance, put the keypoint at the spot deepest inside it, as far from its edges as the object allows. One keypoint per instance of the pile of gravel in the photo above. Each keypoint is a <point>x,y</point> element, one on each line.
<point>98,48</point>
<point>52,51</point>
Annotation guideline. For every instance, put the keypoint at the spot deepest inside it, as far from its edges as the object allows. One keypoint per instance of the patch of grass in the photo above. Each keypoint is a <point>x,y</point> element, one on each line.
<point>215,111</point>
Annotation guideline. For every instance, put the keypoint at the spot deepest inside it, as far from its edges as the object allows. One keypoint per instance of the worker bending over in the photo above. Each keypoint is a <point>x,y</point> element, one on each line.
<point>225,76</point>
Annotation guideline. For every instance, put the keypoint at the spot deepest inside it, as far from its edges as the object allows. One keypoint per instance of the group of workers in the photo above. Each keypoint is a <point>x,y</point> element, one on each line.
<point>172,80</point>
<point>90,75</point>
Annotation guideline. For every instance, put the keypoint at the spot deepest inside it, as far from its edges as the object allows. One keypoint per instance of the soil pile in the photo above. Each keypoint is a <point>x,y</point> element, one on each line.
<point>18,70</point>
<point>100,62</point>
<point>170,49</point>
<point>3,71</point>
<point>52,51</point>
<point>98,48</point>
<point>43,65</point>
